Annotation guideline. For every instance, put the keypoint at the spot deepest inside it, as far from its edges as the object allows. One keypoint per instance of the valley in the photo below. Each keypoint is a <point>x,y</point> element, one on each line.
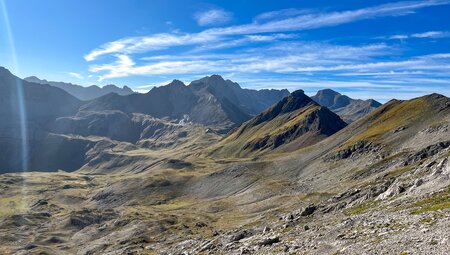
<point>211,168</point>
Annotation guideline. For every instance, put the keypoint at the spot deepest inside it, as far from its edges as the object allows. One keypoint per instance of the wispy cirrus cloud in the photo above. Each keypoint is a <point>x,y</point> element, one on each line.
<point>429,34</point>
<point>281,14</point>
<point>267,24</point>
<point>213,17</point>
<point>76,75</point>
<point>300,58</point>
<point>274,45</point>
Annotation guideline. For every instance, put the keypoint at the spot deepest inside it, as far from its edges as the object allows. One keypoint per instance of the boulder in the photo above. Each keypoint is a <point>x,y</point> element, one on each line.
<point>269,241</point>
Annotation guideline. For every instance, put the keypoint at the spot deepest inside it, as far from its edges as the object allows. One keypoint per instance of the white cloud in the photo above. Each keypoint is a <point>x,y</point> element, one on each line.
<point>265,49</point>
<point>292,58</point>
<point>213,17</point>
<point>124,66</point>
<point>280,58</point>
<point>280,14</point>
<point>76,75</point>
<point>429,34</point>
<point>326,19</point>
<point>142,91</point>
<point>245,40</point>
<point>156,84</point>
<point>291,23</point>
<point>147,43</point>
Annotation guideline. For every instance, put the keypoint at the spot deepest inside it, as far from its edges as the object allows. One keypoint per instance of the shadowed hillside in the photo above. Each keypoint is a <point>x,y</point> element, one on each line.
<point>42,104</point>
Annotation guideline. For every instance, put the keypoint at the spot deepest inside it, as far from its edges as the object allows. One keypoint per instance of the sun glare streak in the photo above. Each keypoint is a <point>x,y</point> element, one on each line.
<point>20,97</point>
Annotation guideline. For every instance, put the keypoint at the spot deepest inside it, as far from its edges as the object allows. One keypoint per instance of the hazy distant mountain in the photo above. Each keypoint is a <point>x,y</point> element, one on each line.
<point>347,108</point>
<point>209,101</point>
<point>84,93</point>
<point>296,120</point>
<point>250,101</point>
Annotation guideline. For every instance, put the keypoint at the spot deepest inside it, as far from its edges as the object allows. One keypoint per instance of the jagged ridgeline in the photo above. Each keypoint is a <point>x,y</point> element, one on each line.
<point>67,133</point>
<point>81,92</point>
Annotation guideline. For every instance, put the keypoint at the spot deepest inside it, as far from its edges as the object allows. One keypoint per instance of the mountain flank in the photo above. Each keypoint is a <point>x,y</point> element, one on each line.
<point>41,104</point>
<point>294,122</point>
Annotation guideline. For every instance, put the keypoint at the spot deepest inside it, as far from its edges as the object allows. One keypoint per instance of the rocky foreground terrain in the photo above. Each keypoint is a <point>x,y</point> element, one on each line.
<point>294,179</point>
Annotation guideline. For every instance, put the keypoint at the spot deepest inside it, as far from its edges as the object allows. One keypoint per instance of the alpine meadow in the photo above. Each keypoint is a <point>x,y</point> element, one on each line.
<point>183,127</point>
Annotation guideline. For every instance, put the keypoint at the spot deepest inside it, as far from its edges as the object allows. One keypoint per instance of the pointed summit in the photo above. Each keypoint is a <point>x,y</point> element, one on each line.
<point>217,83</point>
<point>292,102</point>
<point>294,122</point>
<point>250,102</point>
<point>176,83</point>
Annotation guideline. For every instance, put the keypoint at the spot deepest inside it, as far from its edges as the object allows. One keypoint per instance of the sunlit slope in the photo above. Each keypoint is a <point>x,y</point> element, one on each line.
<point>295,119</point>
<point>399,118</point>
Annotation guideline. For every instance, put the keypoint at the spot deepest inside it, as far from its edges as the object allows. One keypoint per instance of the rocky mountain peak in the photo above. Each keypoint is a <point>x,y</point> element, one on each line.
<point>327,93</point>
<point>294,101</point>
<point>290,103</point>
<point>347,108</point>
<point>176,83</point>
<point>114,87</point>
<point>215,82</point>
<point>34,79</point>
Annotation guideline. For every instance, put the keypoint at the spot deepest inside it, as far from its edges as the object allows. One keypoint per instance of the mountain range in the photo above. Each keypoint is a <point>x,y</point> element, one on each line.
<point>81,92</point>
<point>68,133</point>
<point>209,101</point>
<point>211,168</point>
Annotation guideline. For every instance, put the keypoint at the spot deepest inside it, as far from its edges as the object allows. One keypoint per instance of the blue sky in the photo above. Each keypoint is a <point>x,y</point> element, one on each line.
<point>366,49</point>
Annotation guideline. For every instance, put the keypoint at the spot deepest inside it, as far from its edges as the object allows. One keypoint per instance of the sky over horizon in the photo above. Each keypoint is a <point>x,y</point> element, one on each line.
<point>365,49</point>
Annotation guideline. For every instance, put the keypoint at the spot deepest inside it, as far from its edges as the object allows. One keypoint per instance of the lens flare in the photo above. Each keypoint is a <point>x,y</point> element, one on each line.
<point>20,99</point>
<point>19,87</point>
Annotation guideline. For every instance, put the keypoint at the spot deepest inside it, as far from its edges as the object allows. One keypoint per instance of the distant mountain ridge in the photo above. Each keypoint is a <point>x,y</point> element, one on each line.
<point>66,133</point>
<point>347,108</point>
<point>210,101</point>
<point>81,92</point>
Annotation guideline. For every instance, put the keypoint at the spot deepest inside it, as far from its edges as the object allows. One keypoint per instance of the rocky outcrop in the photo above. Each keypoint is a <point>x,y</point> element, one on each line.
<point>426,152</point>
<point>359,148</point>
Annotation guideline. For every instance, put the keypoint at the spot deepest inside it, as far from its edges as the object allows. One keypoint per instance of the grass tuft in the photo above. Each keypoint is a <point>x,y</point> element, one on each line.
<point>435,202</point>
<point>361,208</point>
